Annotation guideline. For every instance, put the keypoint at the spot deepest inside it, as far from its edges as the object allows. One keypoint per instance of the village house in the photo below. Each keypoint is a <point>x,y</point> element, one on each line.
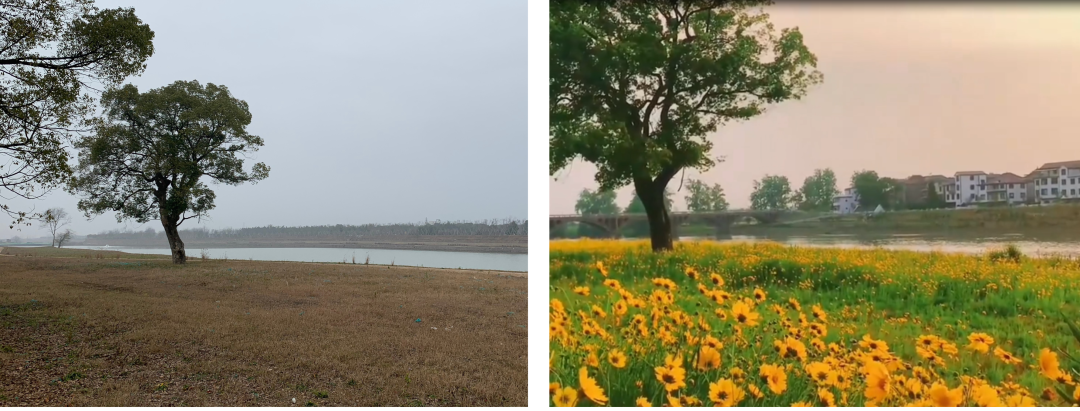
<point>1057,181</point>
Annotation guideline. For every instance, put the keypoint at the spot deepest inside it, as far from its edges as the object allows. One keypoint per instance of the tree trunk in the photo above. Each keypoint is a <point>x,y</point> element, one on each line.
<point>175,243</point>
<point>652,197</point>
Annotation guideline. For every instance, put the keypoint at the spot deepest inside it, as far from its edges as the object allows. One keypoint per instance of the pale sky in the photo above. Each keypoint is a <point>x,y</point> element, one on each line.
<point>909,89</point>
<point>372,111</point>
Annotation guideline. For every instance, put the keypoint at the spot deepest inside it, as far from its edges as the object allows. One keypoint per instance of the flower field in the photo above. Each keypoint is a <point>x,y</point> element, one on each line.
<point>774,325</point>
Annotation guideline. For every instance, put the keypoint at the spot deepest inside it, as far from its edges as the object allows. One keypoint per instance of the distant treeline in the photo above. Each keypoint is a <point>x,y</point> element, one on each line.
<point>505,227</point>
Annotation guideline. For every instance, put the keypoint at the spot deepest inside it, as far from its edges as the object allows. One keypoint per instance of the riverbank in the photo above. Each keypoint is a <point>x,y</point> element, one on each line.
<point>921,320</point>
<point>103,328</point>
<point>473,244</point>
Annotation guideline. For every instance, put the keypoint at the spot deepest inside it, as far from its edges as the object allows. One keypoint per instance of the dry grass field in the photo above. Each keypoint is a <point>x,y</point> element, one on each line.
<point>97,328</point>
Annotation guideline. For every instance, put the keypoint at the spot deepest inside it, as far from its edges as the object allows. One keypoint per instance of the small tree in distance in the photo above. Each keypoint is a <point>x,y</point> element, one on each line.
<point>148,157</point>
<point>63,237</point>
<point>55,219</point>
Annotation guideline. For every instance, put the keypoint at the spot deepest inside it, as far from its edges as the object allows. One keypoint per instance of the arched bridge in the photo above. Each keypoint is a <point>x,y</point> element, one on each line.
<point>721,220</point>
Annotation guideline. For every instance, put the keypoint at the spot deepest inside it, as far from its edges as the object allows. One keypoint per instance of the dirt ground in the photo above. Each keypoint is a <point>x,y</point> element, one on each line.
<point>93,328</point>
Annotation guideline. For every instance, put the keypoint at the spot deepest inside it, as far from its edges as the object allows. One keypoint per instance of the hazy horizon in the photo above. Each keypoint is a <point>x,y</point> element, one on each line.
<point>909,89</point>
<point>366,120</point>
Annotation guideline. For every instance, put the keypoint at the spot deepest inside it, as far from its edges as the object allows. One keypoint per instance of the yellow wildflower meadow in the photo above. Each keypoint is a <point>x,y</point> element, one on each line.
<point>774,325</point>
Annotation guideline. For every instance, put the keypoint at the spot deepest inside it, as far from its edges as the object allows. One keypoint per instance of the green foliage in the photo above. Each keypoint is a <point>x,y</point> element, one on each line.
<point>1010,253</point>
<point>147,158</point>
<point>703,198</point>
<point>52,52</point>
<point>874,190</point>
<point>635,87</point>
<point>637,207</point>
<point>598,202</point>
<point>818,191</point>
<point>771,193</point>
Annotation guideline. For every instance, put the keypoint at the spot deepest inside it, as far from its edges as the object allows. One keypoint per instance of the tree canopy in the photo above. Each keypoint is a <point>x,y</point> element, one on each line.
<point>705,198</point>
<point>818,191</point>
<point>148,156</point>
<point>596,202</point>
<point>874,190</point>
<point>53,54</point>
<point>635,87</point>
<point>771,193</point>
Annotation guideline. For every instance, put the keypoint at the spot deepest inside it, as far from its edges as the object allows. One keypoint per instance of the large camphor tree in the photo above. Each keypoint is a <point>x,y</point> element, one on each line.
<point>53,55</point>
<point>636,86</point>
<point>148,156</point>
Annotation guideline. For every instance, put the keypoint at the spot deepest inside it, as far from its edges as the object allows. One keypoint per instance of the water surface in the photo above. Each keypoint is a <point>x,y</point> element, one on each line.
<point>418,258</point>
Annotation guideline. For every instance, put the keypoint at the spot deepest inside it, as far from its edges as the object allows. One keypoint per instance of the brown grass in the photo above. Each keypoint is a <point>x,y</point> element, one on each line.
<point>90,331</point>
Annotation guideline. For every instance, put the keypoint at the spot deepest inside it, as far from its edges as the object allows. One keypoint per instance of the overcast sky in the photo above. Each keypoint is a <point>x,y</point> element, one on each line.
<point>909,89</point>
<point>372,111</point>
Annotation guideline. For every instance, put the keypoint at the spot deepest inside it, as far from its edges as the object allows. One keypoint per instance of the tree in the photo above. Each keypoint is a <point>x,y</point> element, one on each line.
<point>703,198</point>
<point>636,206</point>
<point>933,199</point>
<point>595,203</point>
<point>52,53</point>
<point>818,191</point>
<point>635,87</point>
<point>771,193</point>
<point>63,237</point>
<point>874,190</point>
<point>55,219</point>
<point>598,202</point>
<point>147,158</point>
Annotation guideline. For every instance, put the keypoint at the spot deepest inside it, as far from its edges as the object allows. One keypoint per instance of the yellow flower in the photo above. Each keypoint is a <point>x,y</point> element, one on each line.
<point>565,397</point>
<point>725,393</point>
<point>643,402</point>
<point>941,396</point>
<point>716,280</point>
<point>986,396</point>
<point>1005,356</point>
<point>673,378</point>
<point>872,344</point>
<point>708,358</point>
<point>980,342</point>
<point>819,372</point>
<point>589,387</point>
<point>1019,400</point>
<point>819,313</point>
<point>826,397</point>
<point>759,295</point>
<point>617,359</point>
<point>775,377</point>
<point>552,388</point>
<point>692,273</point>
<point>878,382</point>
<point>583,291</point>
<point>802,404</point>
<point>1048,364</point>
<point>743,315</point>
<point>591,360</point>
<point>620,308</point>
<point>755,391</point>
<point>600,266</point>
<point>737,374</point>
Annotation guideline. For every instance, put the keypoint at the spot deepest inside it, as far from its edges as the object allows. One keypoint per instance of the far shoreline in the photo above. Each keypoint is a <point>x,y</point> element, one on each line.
<point>492,248</point>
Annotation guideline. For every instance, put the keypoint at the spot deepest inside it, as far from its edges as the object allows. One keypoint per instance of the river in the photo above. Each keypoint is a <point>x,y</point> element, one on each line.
<point>437,259</point>
<point>1059,244</point>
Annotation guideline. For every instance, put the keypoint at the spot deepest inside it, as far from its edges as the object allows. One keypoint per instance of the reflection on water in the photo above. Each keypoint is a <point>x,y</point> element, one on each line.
<point>418,258</point>
<point>1028,244</point>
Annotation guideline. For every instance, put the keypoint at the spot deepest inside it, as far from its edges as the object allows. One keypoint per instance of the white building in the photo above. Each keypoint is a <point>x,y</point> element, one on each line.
<point>1057,181</point>
<point>847,202</point>
<point>1006,187</point>
<point>970,187</point>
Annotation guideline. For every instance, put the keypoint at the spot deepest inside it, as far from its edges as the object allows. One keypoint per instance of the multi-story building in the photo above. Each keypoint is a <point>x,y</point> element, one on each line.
<point>1006,187</point>
<point>1057,181</point>
<point>917,188</point>
<point>970,187</point>
<point>847,202</point>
